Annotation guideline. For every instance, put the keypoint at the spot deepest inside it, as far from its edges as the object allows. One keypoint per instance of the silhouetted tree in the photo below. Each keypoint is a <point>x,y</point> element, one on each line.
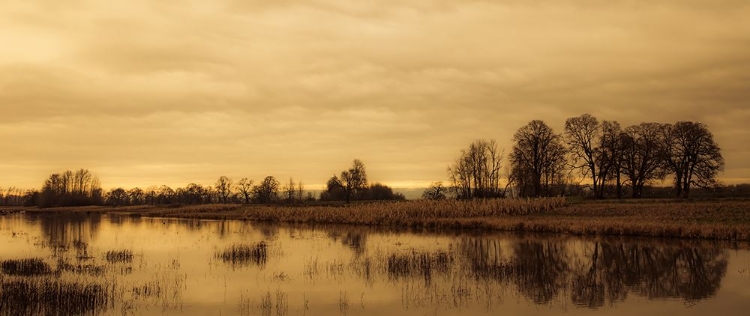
<point>335,191</point>
<point>594,149</point>
<point>476,173</point>
<point>245,188</point>
<point>692,155</point>
<point>223,189</point>
<point>137,196</point>
<point>537,160</point>
<point>436,191</point>
<point>117,197</point>
<point>267,191</point>
<point>383,192</point>
<point>642,155</point>
<point>71,189</point>
<point>354,180</point>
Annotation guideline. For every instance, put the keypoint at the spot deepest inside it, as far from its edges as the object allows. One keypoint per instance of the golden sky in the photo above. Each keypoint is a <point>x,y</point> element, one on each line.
<point>149,92</point>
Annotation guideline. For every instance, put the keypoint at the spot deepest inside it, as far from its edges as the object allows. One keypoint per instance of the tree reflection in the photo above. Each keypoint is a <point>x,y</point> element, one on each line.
<point>62,232</point>
<point>602,273</point>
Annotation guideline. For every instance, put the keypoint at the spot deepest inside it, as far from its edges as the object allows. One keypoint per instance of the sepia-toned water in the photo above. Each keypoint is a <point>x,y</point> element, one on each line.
<point>94,264</point>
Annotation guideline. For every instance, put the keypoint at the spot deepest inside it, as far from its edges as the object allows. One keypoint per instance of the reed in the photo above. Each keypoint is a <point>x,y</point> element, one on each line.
<point>245,254</point>
<point>53,297</point>
<point>119,256</point>
<point>25,267</point>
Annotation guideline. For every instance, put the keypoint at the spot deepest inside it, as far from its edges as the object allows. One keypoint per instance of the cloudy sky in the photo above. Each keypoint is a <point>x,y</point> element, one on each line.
<point>150,92</point>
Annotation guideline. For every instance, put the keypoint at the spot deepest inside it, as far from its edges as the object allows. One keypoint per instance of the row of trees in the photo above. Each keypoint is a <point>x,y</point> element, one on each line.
<point>352,185</point>
<point>82,188</point>
<point>544,163</point>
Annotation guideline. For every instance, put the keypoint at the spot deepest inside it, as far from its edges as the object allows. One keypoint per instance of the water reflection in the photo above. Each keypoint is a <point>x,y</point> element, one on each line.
<point>257,268</point>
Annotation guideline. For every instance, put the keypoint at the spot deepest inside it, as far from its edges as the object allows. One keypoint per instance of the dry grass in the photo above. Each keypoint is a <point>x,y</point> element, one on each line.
<point>696,219</point>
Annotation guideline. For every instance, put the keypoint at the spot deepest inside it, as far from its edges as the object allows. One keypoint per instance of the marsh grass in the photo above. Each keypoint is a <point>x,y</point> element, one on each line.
<point>241,254</point>
<point>53,297</point>
<point>25,267</point>
<point>119,256</point>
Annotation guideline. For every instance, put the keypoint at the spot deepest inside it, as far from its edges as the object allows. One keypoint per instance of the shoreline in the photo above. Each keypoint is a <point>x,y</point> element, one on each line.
<point>722,220</point>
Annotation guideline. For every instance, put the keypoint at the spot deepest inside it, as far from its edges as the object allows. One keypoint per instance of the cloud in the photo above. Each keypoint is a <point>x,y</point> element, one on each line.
<point>197,89</point>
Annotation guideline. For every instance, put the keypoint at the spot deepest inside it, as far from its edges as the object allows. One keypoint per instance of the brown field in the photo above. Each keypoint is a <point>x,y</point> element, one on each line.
<point>695,219</point>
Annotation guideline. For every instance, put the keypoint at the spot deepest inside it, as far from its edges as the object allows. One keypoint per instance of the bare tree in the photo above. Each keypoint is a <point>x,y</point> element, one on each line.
<point>642,155</point>
<point>267,191</point>
<point>300,191</point>
<point>290,191</point>
<point>224,188</point>
<point>476,173</point>
<point>354,180</point>
<point>537,160</point>
<point>692,155</point>
<point>245,188</point>
<point>594,149</point>
<point>436,191</point>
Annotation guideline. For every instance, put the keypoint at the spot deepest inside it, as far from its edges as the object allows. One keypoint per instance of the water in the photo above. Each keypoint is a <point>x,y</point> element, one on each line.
<point>120,265</point>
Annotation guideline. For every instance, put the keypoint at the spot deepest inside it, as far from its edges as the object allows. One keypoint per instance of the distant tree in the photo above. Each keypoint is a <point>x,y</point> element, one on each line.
<point>223,188</point>
<point>354,180</point>
<point>476,173</point>
<point>117,197</point>
<point>267,191</point>
<point>290,191</point>
<point>245,189</point>
<point>71,189</point>
<point>137,196</point>
<point>435,191</point>
<point>642,160</point>
<point>692,155</point>
<point>382,192</point>
<point>594,149</point>
<point>300,191</point>
<point>537,160</point>
<point>335,190</point>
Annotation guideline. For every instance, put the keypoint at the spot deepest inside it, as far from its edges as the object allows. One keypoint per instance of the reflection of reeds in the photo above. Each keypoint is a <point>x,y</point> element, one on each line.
<point>418,264</point>
<point>25,267</point>
<point>245,254</point>
<point>52,297</point>
<point>119,256</point>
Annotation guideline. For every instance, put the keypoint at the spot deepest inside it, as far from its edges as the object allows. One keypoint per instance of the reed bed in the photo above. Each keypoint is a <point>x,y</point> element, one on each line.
<point>418,264</point>
<point>245,254</point>
<point>119,256</point>
<point>53,297</point>
<point>408,213</point>
<point>25,267</point>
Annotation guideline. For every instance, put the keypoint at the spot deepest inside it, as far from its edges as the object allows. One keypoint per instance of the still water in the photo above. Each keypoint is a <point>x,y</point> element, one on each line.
<point>119,265</point>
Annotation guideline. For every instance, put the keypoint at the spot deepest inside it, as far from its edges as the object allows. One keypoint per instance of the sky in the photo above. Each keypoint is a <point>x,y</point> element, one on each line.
<point>151,92</point>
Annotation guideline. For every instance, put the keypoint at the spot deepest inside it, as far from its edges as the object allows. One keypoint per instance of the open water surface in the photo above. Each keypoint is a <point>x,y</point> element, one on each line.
<point>93,264</point>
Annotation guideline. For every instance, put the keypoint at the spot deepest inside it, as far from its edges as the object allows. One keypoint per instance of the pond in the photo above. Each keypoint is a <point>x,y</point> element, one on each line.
<point>94,264</point>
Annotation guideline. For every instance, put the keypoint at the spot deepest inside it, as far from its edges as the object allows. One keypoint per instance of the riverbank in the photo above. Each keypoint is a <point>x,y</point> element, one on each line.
<point>693,219</point>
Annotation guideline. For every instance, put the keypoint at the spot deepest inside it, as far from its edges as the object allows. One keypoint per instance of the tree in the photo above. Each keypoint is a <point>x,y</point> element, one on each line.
<point>245,188</point>
<point>692,155</point>
<point>137,196</point>
<point>382,192</point>
<point>290,191</point>
<point>224,189</point>
<point>476,173</point>
<point>267,191</point>
<point>642,155</point>
<point>71,189</point>
<point>335,190</point>
<point>354,180</point>
<point>117,197</point>
<point>436,191</point>
<point>594,149</point>
<point>537,160</point>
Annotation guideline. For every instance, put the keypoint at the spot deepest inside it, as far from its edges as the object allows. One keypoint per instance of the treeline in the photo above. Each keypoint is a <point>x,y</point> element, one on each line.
<point>608,158</point>
<point>82,188</point>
